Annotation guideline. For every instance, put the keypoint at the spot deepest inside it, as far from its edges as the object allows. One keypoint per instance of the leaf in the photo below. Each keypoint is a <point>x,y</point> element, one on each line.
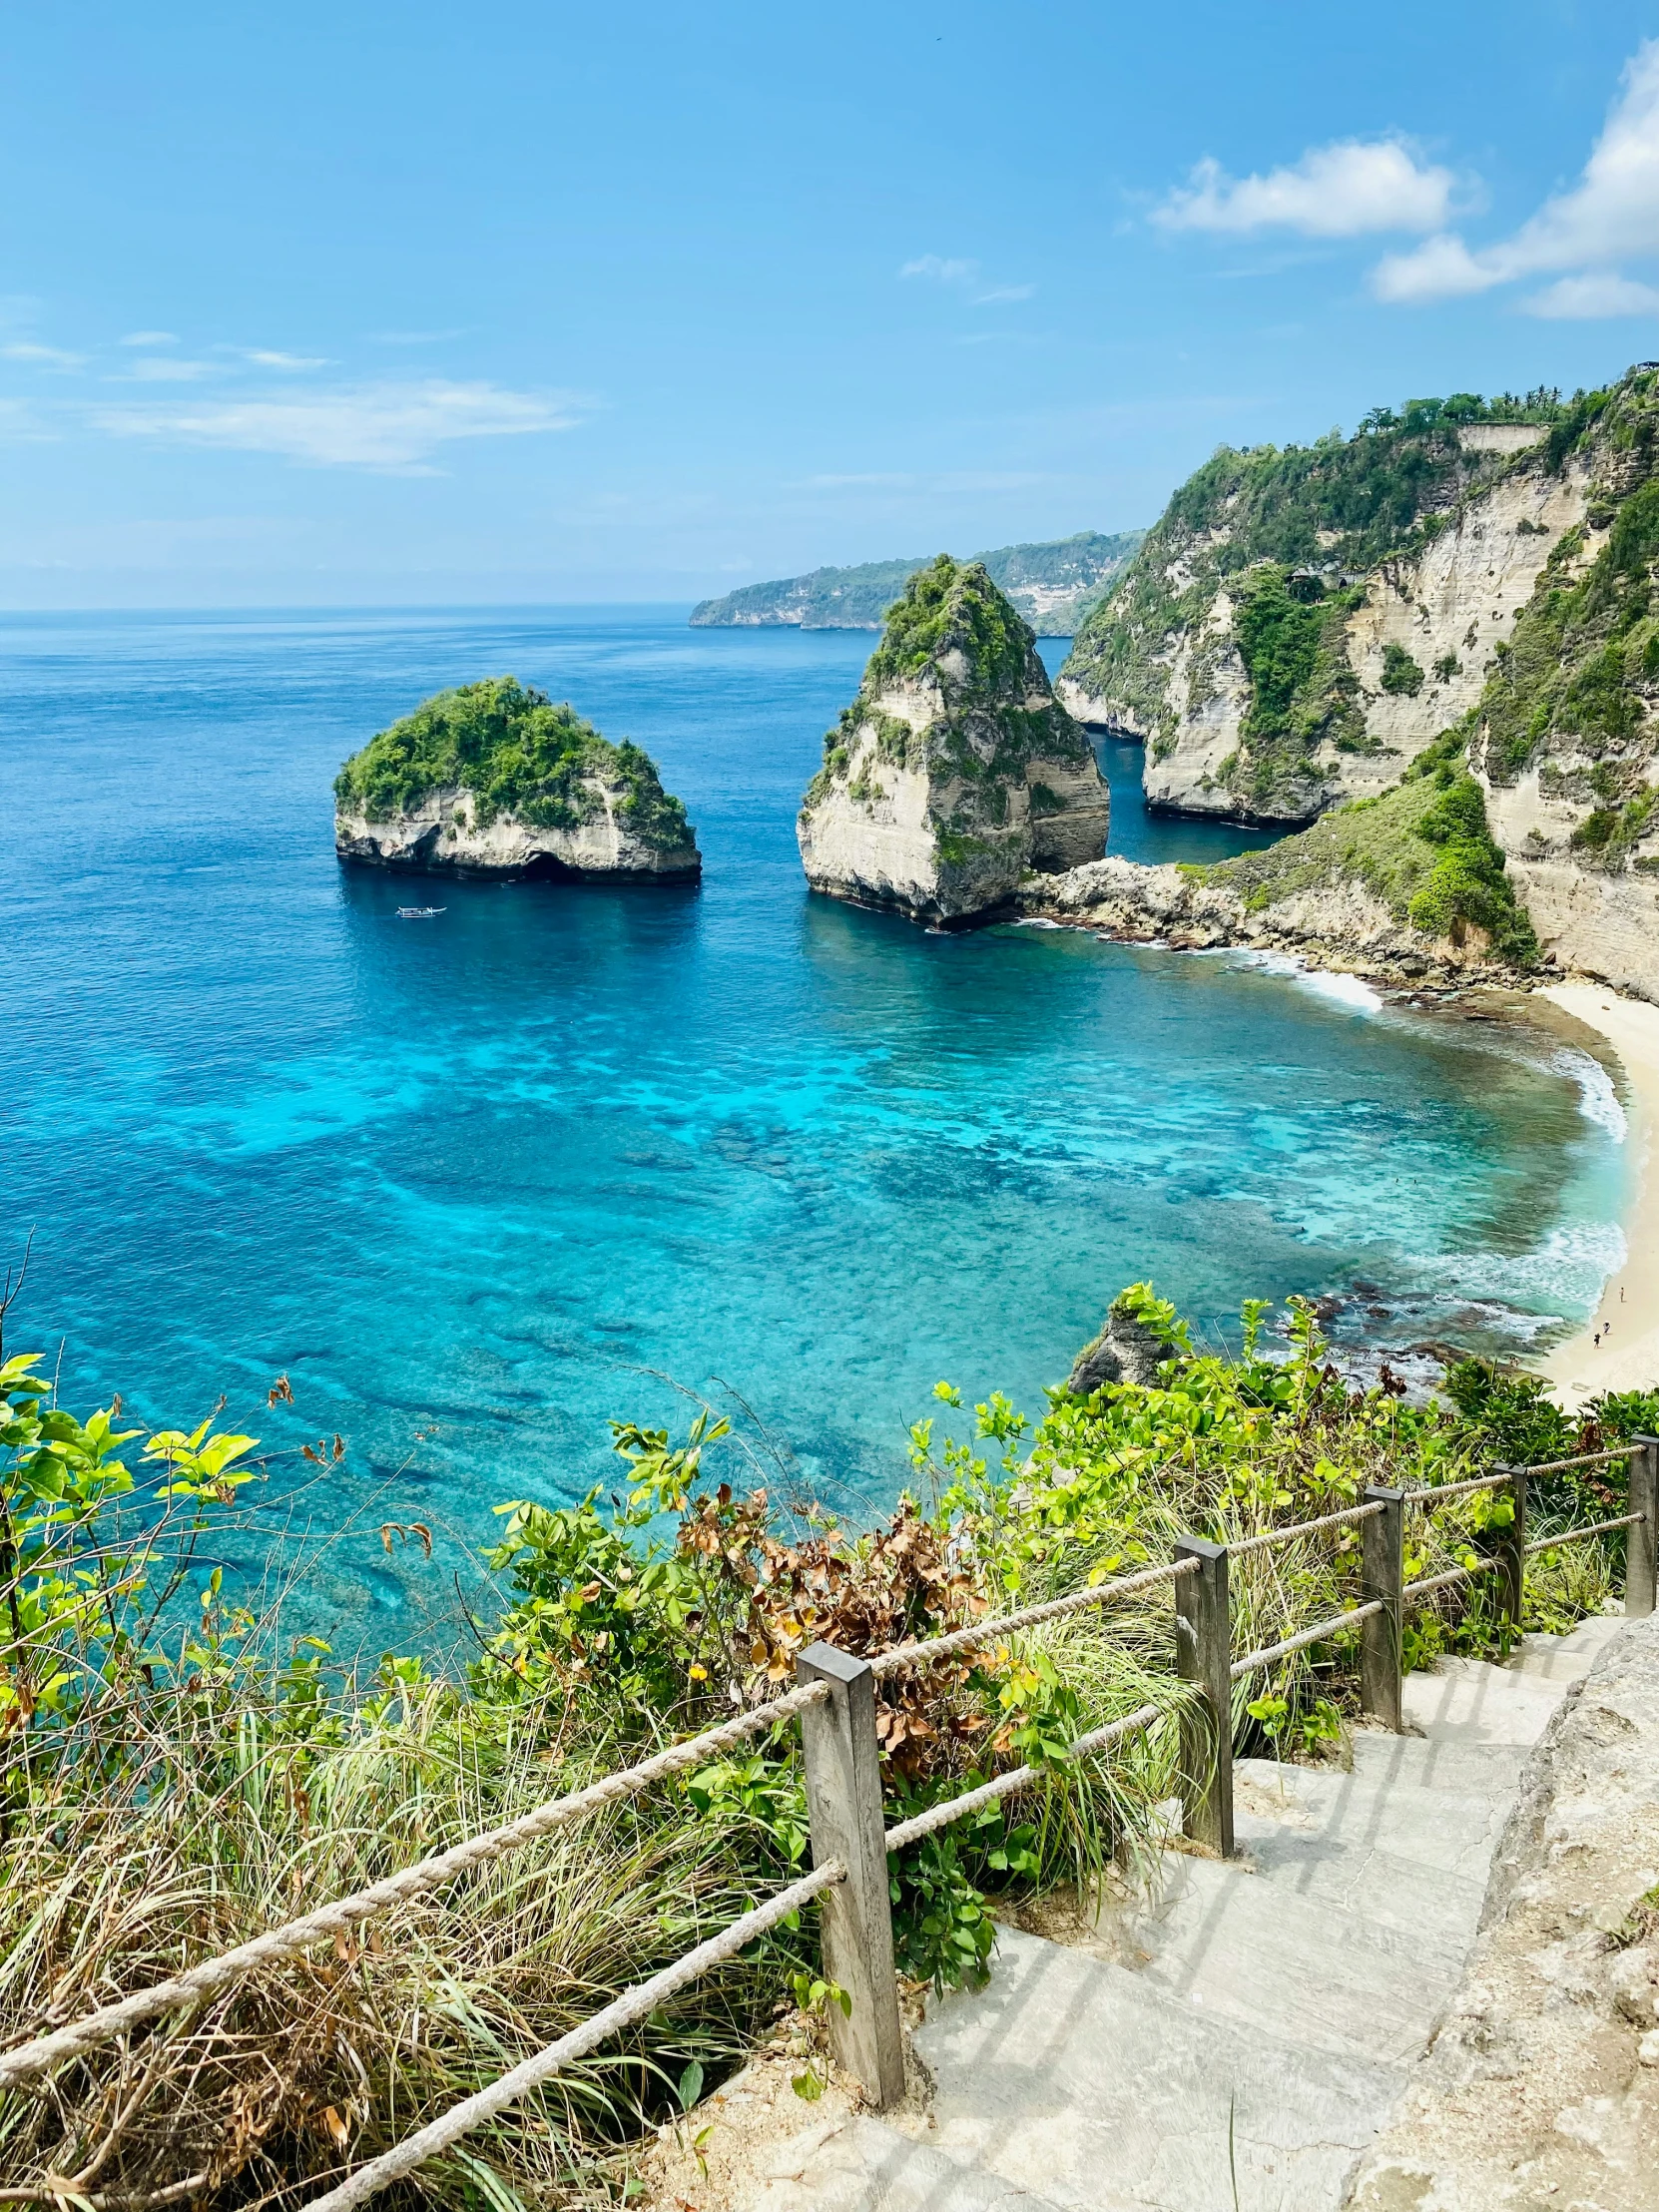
<point>691,2086</point>
<point>808,2086</point>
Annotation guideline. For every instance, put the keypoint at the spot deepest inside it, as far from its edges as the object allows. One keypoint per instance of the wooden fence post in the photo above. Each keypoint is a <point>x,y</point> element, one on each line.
<point>1511,1554</point>
<point>1382,1572</point>
<point>1641,1544</point>
<point>843,1801</point>
<point>1204,1653</point>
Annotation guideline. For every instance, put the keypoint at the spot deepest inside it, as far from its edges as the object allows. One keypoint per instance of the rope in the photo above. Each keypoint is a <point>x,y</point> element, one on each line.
<point>1017,1778</point>
<point>1305,1529</point>
<point>1445,1581</point>
<point>1584,1459</point>
<point>1461,1489</point>
<point>634,2004</point>
<point>929,1649</point>
<point>1577,1535</point>
<point>1317,1634</point>
<point>295,1936</point>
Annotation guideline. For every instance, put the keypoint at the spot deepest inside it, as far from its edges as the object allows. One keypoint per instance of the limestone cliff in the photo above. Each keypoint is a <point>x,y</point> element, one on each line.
<point>493,779</point>
<point>955,770</point>
<point>1567,733</point>
<point>1302,623</point>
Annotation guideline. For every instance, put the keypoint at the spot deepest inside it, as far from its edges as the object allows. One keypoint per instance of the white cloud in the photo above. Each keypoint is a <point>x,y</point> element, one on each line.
<point>148,338</point>
<point>941,271</point>
<point>47,356</point>
<point>389,425</point>
<point>163,368</point>
<point>999,292</point>
<point>1333,192</point>
<point>1610,213</point>
<point>1602,292</point>
<point>267,359</point>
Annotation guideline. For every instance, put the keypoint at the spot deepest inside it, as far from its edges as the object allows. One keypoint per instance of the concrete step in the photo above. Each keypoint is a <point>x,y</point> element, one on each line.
<point>1466,1701</point>
<point>1100,2088</point>
<point>864,2165</point>
<point>1438,1829</point>
<point>1565,1659</point>
<point>1340,1853</point>
<point>1240,1946</point>
<point>1456,1769</point>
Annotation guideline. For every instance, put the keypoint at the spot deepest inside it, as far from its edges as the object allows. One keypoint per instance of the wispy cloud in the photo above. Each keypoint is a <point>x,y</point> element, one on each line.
<point>167,369</point>
<point>999,292</point>
<point>1610,214</point>
<point>44,356</point>
<point>391,425</point>
<point>1335,192</point>
<point>148,338</point>
<point>270,360</point>
<point>940,271</point>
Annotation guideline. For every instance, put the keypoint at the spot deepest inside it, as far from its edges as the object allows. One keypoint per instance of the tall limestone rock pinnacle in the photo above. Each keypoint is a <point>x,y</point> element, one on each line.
<point>955,770</point>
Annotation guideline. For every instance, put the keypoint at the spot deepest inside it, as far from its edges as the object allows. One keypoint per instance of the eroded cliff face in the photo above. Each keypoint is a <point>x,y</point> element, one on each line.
<point>955,772</point>
<point>442,836</point>
<point>1269,689</point>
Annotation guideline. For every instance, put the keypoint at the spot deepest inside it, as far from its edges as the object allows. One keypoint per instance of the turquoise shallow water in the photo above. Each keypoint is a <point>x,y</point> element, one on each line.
<point>479,1183</point>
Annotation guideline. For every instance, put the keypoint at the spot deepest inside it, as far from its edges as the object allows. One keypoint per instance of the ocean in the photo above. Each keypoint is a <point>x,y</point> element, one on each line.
<point>480,1183</point>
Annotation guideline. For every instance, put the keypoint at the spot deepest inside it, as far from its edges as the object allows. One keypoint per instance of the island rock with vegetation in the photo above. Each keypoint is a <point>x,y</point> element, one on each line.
<point>1054,586</point>
<point>496,780</point>
<point>955,771</point>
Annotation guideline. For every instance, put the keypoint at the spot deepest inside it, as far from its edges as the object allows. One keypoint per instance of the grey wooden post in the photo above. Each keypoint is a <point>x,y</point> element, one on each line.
<point>1383,1573</point>
<point>1203,1654</point>
<point>843,1802</point>
<point>1511,1553</point>
<point>1641,1540</point>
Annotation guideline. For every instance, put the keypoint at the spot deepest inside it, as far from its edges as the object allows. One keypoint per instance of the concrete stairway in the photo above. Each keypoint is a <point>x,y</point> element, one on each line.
<point>1238,2036</point>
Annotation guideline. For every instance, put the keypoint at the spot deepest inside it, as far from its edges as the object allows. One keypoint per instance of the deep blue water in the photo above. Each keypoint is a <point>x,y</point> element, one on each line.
<point>479,1183</point>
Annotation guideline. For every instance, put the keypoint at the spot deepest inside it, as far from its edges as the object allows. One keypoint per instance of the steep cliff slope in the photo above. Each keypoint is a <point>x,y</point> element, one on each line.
<point>493,779</point>
<point>1053,585</point>
<point>1300,623</point>
<point>954,770</point>
<point>1566,737</point>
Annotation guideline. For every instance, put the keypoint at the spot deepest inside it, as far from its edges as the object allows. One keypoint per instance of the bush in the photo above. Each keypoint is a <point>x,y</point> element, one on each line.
<point>1400,674</point>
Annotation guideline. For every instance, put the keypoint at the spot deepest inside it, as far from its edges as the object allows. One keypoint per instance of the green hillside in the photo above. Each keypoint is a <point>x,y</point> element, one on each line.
<point>1053,585</point>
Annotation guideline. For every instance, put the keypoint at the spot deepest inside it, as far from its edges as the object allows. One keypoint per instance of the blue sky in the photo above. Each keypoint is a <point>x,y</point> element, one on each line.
<point>335,304</point>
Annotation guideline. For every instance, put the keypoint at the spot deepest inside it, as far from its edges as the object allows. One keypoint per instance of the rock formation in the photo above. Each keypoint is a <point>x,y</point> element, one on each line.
<point>954,770</point>
<point>1409,888</point>
<point>1301,624</point>
<point>494,779</point>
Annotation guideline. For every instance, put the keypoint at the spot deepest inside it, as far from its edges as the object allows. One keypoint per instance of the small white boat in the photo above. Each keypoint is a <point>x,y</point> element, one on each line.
<point>419,914</point>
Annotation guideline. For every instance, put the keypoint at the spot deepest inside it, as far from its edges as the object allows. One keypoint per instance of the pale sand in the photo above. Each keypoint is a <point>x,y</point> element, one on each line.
<point>1628,1356</point>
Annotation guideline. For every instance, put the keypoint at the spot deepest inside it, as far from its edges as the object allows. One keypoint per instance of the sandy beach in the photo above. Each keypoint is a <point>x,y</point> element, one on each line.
<point>1628,1355</point>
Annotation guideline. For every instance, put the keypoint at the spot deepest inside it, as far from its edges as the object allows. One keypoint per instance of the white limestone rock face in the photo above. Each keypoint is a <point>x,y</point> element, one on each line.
<point>955,772</point>
<point>442,836</point>
<point>1408,638</point>
<point>495,779</point>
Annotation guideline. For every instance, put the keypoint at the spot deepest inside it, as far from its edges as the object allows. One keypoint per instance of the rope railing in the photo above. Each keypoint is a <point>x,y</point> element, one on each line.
<point>1583,1459</point>
<point>927,1651</point>
<point>1254,1660</point>
<point>1015,1779</point>
<point>1577,1535</point>
<point>1446,1581</point>
<point>1271,1536</point>
<point>298,1936</point>
<point>1437,1492</point>
<point>626,2011</point>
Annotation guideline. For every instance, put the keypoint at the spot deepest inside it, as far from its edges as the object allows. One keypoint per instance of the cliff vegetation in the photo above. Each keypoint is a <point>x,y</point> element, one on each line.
<point>1425,848</point>
<point>518,754</point>
<point>179,1770</point>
